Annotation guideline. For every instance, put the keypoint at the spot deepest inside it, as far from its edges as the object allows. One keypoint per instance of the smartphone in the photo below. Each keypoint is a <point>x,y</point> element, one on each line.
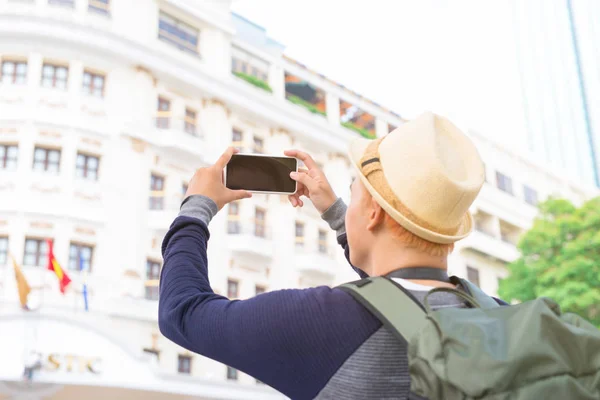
<point>261,173</point>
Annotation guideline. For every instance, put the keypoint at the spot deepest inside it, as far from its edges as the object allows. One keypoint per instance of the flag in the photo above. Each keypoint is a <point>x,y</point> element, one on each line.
<point>53,265</point>
<point>22,285</point>
<point>84,291</point>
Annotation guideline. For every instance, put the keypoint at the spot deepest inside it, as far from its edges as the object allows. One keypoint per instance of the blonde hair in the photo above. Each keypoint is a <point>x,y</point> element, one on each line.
<point>413,241</point>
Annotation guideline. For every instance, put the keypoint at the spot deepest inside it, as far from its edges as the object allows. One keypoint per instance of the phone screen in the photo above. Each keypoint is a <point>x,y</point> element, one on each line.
<point>261,173</point>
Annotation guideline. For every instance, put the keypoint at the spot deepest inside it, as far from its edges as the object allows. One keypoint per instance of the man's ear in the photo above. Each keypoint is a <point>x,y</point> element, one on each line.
<point>376,215</point>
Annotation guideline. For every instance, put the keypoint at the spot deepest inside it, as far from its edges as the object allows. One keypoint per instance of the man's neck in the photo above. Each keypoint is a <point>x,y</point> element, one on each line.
<point>387,257</point>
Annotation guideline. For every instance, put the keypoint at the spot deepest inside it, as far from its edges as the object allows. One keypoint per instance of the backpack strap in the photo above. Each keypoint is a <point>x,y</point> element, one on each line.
<point>483,299</point>
<point>393,305</point>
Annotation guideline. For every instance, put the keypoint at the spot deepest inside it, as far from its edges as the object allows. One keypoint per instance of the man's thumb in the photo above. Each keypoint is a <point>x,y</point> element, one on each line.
<point>239,195</point>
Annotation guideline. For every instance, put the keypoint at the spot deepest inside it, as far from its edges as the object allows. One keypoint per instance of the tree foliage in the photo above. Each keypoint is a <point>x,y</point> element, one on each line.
<point>560,259</point>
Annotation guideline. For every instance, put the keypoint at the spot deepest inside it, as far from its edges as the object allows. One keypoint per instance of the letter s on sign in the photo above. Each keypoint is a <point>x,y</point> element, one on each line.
<point>53,363</point>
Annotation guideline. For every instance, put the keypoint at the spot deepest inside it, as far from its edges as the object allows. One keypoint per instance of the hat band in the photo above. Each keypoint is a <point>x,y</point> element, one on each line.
<point>371,167</point>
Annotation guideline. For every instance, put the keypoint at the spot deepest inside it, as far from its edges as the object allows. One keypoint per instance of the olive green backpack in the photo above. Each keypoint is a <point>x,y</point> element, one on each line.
<point>527,351</point>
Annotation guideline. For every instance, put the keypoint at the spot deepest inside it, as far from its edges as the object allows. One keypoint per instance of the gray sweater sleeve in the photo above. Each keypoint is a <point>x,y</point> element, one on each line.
<point>335,216</point>
<point>200,207</point>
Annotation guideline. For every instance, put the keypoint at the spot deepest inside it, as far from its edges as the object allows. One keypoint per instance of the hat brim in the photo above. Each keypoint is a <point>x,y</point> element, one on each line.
<point>357,150</point>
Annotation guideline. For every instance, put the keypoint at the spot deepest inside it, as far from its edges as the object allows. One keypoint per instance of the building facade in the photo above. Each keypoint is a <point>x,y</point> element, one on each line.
<point>558,58</point>
<point>106,109</point>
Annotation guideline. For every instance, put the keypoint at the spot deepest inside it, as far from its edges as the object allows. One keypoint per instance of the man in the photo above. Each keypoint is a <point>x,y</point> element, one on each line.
<point>408,207</point>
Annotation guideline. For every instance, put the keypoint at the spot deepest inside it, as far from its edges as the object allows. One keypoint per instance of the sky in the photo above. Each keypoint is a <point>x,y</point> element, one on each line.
<point>454,57</point>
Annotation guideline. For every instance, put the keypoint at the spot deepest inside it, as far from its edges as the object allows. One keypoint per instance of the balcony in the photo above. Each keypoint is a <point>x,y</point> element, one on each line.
<point>489,246</point>
<point>181,135</point>
<point>163,209</point>
<point>316,262</point>
<point>249,239</point>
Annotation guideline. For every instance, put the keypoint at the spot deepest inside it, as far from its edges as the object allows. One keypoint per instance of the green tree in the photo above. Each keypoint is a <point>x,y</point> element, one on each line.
<point>560,259</point>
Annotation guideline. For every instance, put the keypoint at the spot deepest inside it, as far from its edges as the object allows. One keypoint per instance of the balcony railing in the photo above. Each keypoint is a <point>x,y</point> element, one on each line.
<point>253,227</point>
<point>165,120</point>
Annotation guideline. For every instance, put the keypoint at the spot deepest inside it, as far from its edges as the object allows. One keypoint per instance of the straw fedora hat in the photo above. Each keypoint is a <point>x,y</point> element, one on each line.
<point>425,174</point>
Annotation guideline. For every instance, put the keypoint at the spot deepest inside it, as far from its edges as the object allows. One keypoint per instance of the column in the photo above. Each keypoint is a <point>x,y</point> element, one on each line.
<point>277,80</point>
<point>216,126</point>
<point>332,102</point>
<point>381,127</point>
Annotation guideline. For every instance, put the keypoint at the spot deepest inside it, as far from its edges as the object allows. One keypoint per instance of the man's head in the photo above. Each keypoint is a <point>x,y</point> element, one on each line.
<point>414,190</point>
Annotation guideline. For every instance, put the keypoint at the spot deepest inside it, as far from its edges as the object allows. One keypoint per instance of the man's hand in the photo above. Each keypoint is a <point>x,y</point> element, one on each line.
<point>209,182</point>
<point>312,183</point>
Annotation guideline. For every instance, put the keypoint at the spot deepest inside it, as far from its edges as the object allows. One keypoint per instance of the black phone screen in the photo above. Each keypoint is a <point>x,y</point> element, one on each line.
<point>261,173</point>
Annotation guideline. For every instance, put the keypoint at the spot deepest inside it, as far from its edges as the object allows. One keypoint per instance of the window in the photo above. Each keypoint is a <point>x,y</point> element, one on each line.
<point>184,188</point>
<point>322,241</point>
<point>80,257</point>
<point>233,288</point>
<point>93,84</point>
<point>152,277</point>
<point>152,270</point>
<point>299,234</point>
<point>473,275</point>
<point>14,72</point>
<point>190,121</point>
<point>504,183</point>
<point>36,252</point>
<point>258,145</point>
<point>236,138</point>
<point>8,156</point>
<point>259,222</point>
<point>3,250</point>
<point>184,364</point>
<point>258,289</point>
<point>232,374</point>
<point>55,76</point>
<point>178,33</point>
<point>99,6</point>
<point>87,167</point>
<point>46,160</point>
<point>157,184</point>
<point>531,196</point>
<point>233,218</point>
<point>163,114</point>
<point>66,3</point>
<point>154,352</point>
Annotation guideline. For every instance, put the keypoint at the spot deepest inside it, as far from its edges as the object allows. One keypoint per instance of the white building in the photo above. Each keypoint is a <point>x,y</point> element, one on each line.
<point>106,109</point>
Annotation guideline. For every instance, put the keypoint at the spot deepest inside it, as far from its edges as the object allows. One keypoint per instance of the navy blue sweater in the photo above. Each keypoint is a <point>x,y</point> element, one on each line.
<point>293,340</point>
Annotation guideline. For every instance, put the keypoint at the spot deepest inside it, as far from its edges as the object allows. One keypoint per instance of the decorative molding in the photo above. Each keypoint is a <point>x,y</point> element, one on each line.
<point>156,160</point>
<point>85,231</point>
<point>138,145</point>
<point>3,222</point>
<point>8,131</point>
<point>41,225</point>
<point>88,197</point>
<point>144,70</point>
<point>52,104</point>
<point>51,134</point>
<point>92,112</point>
<point>92,142</point>
<point>55,189</point>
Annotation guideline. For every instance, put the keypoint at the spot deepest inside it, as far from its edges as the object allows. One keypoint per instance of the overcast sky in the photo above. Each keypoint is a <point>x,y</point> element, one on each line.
<point>455,57</point>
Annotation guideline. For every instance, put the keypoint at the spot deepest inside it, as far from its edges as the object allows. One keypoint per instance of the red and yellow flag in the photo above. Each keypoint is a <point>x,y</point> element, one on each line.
<point>53,265</point>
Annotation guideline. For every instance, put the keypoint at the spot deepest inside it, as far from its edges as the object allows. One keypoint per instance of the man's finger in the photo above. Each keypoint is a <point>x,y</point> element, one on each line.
<point>225,157</point>
<point>304,179</point>
<point>304,157</point>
